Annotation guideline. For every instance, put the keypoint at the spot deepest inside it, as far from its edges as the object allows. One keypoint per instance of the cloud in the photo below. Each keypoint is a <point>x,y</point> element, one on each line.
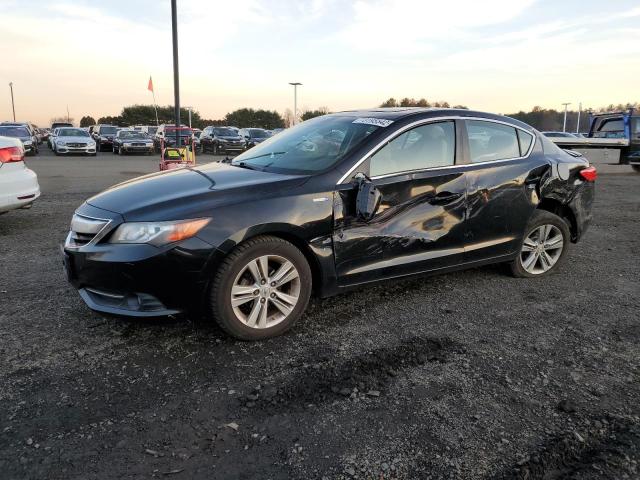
<point>408,26</point>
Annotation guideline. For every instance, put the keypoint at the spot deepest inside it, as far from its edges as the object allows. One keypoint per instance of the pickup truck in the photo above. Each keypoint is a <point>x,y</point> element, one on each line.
<point>612,130</point>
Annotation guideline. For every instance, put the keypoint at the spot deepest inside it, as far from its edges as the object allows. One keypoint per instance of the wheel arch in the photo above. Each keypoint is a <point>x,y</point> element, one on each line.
<point>563,211</point>
<point>287,232</point>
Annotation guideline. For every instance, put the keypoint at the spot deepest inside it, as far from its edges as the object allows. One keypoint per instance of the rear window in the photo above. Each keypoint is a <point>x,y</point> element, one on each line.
<point>108,130</point>
<point>525,140</point>
<point>16,132</point>
<point>490,141</point>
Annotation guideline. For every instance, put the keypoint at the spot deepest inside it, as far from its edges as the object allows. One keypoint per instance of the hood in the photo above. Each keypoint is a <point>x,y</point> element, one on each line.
<point>189,192</point>
<point>74,139</point>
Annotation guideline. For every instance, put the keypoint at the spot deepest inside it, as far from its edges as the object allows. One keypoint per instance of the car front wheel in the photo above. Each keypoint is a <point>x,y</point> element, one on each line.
<point>544,245</point>
<point>261,289</point>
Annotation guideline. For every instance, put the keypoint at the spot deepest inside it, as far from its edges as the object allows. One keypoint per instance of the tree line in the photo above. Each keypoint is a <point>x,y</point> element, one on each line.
<point>541,118</point>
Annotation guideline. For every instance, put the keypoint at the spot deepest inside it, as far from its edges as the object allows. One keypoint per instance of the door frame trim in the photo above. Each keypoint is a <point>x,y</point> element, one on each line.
<point>424,121</point>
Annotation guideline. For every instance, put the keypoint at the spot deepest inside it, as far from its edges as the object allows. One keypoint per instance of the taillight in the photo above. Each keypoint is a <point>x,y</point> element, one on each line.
<point>589,174</point>
<point>11,154</point>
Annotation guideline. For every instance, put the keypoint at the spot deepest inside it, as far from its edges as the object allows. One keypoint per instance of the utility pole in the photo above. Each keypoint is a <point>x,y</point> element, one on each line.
<point>564,124</point>
<point>579,113</point>
<point>176,73</point>
<point>13,107</point>
<point>295,100</point>
<point>67,113</point>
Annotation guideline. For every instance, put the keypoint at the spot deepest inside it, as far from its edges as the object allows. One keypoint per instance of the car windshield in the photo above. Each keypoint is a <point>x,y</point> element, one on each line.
<point>72,132</point>
<point>131,134</point>
<point>152,130</point>
<point>108,130</point>
<point>257,133</point>
<point>225,132</point>
<point>312,146</point>
<point>171,132</point>
<point>18,132</point>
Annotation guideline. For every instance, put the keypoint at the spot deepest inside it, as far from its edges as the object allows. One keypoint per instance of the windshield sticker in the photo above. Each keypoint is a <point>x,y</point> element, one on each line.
<point>378,122</point>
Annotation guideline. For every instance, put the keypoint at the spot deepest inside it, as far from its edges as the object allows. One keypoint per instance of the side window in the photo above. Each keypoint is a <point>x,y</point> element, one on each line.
<point>426,146</point>
<point>491,141</point>
<point>525,140</point>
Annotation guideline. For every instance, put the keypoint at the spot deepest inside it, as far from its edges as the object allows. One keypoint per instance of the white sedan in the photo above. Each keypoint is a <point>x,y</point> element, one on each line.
<point>18,185</point>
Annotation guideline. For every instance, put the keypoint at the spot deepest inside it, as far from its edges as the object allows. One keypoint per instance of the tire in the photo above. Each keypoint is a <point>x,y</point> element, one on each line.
<point>542,225</point>
<point>114,151</point>
<point>636,168</point>
<point>235,270</point>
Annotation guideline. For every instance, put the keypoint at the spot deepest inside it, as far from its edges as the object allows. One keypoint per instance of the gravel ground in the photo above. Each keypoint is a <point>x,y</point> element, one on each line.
<point>470,375</point>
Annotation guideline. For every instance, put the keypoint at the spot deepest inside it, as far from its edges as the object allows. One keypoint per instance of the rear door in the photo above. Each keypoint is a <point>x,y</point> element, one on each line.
<point>502,179</point>
<point>420,223</point>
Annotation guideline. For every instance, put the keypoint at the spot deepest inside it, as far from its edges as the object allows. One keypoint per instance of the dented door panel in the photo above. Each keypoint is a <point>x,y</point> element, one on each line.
<point>418,227</point>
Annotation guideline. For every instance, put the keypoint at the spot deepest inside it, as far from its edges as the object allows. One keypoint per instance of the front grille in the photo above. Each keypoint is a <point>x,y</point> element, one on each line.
<point>76,145</point>
<point>84,230</point>
<point>138,144</point>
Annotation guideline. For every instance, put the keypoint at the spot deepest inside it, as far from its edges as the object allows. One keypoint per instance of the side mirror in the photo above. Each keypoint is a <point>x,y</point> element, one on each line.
<point>368,198</point>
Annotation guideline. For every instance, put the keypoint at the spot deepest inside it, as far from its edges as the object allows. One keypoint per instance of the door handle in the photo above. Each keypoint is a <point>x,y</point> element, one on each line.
<point>443,198</point>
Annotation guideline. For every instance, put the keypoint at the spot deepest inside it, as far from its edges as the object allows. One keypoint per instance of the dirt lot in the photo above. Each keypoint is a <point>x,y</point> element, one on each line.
<point>471,375</point>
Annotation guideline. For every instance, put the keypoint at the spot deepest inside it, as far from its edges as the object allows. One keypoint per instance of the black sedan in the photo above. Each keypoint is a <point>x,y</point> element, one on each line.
<point>131,141</point>
<point>336,202</point>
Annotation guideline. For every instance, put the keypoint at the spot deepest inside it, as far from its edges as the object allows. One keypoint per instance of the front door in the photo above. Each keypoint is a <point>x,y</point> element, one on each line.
<point>419,225</point>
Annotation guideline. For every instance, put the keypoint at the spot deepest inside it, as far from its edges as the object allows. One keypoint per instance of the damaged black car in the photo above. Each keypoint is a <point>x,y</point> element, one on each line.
<point>336,202</point>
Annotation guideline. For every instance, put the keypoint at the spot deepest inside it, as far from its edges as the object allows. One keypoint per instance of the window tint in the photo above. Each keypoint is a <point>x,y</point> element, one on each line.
<point>427,146</point>
<point>612,126</point>
<point>491,141</point>
<point>525,141</point>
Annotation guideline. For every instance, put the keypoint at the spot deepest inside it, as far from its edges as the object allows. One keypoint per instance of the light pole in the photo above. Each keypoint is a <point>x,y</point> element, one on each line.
<point>295,100</point>
<point>564,124</point>
<point>176,73</point>
<point>579,113</point>
<point>13,107</point>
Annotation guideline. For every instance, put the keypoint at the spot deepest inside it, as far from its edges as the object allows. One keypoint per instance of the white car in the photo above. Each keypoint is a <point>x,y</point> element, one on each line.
<point>73,140</point>
<point>18,185</point>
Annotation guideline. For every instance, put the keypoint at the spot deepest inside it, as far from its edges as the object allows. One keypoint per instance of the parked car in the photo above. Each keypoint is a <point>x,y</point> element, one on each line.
<point>167,133</point>
<point>52,137</point>
<point>55,125</point>
<point>196,138</point>
<point>18,185</point>
<point>21,132</point>
<point>71,140</point>
<point>221,140</point>
<point>405,193</point>
<point>254,136</point>
<point>104,135</point>
<point>149,130</point>
<point>131,141</point>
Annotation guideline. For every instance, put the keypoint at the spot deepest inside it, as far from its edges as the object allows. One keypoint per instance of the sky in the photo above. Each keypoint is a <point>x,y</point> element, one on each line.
<point>499,56</point>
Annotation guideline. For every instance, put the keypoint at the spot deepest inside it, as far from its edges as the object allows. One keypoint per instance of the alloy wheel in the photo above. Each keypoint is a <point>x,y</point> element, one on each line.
<point>541,249</point>
<point>266,291</point>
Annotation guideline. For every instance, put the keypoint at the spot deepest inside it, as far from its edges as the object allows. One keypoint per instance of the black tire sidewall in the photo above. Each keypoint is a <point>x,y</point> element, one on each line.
<point>220,293</point>
<point>539,218</point>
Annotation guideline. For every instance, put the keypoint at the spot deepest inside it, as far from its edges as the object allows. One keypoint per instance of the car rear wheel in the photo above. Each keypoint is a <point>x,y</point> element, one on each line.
<point>544,246</point>
<point>261,289</point>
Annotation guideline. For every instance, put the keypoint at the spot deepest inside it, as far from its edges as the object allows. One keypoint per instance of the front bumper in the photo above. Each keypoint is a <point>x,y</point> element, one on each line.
<point>138,148</point>
<point>137,280</point>
<point>80,150</point>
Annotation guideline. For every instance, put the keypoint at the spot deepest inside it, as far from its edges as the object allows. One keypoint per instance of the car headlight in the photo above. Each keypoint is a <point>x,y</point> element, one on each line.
<point>27,142</point>
<point>61,143</point>
<point>92,144</point>
<point>127,144</point>
<point>158,233</point>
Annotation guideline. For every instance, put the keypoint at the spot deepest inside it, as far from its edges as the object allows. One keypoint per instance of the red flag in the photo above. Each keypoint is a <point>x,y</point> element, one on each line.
<point>150,86</point>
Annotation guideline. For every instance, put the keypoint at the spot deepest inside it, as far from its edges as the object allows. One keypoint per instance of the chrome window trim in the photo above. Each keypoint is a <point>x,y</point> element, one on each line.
<point>424,121</point>
<point>98,236</point>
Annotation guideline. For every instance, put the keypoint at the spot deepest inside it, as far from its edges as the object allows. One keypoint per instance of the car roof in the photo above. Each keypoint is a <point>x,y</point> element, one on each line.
<point>397,114</point>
